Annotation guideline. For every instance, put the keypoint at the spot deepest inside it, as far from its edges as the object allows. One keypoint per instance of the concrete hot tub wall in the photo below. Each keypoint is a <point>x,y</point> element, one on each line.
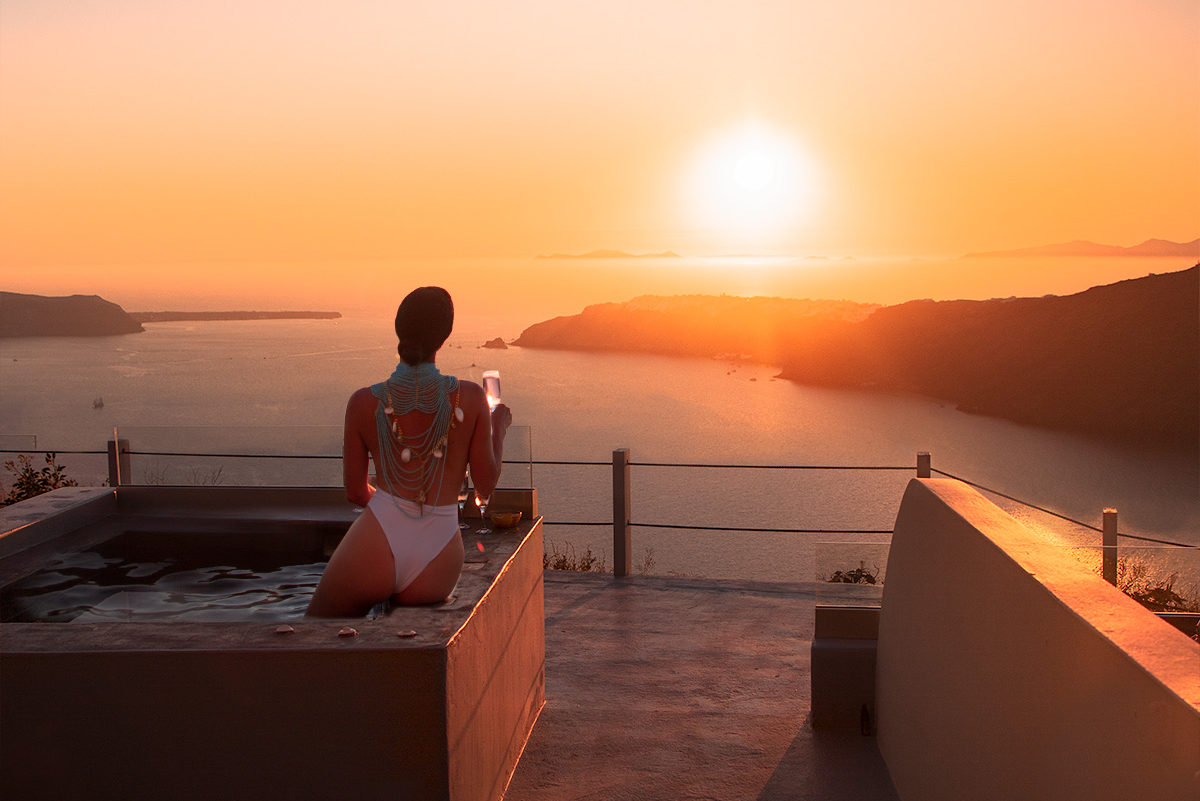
<point>203,710</point>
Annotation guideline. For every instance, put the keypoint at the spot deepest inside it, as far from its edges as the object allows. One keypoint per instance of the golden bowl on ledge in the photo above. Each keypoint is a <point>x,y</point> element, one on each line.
<point>504,519</point>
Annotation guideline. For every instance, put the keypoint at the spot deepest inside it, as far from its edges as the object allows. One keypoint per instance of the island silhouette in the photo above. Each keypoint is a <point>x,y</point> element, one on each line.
<point>611,254</point>
<point>23,315</point>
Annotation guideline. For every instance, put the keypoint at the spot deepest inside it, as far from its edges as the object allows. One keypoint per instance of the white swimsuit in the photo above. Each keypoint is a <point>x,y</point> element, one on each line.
<point>415,533</point>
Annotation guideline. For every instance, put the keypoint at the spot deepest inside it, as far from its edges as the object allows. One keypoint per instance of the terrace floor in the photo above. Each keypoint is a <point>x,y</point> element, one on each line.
<point>681,688</point>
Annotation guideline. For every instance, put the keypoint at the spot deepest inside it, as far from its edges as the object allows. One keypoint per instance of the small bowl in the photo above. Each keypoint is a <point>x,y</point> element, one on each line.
<point>504,519</point>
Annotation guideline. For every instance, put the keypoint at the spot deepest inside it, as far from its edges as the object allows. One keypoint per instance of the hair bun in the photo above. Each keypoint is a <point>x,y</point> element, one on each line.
<point>411,352</point>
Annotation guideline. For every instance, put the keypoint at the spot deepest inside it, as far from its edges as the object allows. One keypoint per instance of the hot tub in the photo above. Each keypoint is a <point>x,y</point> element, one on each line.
<point>117,698</point>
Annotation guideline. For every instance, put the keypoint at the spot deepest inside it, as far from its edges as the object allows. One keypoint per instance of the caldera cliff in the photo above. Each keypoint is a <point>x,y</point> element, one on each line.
<point>1121,361</point>
<point>761,329</point>
<point>68,316</point>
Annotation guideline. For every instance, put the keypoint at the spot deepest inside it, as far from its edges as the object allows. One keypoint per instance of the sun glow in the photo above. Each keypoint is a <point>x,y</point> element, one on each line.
<point>754,171</point>
<point>751,180</point>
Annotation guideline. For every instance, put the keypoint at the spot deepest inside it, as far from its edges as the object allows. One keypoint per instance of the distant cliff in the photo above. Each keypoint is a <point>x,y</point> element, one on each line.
<point>1151,247</point>
<point>186,316</point>
<point>693,325</point>
<point>1121,359</point>
<point>70,316</point>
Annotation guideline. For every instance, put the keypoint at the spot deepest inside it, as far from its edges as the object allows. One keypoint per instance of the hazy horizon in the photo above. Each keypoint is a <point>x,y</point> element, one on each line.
<point>486,304</point>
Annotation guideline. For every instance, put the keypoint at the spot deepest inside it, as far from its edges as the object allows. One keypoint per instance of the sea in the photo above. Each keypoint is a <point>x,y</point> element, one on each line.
<point>280,387</point>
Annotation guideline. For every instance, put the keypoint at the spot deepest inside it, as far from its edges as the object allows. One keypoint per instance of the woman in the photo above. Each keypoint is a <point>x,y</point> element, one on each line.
<point>421,429</point>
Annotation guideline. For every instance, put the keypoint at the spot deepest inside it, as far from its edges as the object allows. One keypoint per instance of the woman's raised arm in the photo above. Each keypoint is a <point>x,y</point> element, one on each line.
<point>487,439</point>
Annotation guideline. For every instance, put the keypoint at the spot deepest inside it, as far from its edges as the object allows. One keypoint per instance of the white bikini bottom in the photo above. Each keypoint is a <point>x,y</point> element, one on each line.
<point>416,534</point>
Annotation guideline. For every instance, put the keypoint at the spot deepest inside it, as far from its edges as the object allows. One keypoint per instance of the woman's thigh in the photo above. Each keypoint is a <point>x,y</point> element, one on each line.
<point>360,573</point>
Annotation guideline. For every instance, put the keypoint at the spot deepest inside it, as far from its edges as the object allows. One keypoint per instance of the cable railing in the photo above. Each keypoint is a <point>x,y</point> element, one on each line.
<point>54,452</point>
<point>1053,513</point>
<point>712,466</point>
<point>119,473</point>
<point>773,466</point>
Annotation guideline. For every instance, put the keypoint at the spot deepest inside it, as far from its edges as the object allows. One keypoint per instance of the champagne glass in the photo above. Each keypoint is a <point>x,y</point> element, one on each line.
<point>464,492</point>
<point>491,387</point>
<point>482,501</point>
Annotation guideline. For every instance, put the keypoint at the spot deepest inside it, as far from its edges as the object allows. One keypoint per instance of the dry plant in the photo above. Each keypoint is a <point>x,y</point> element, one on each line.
<point>1155,588</point>
<point>566,558</point>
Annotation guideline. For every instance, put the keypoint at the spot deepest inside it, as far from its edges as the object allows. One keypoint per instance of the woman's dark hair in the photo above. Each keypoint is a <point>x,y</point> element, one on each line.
<point>423,322</point>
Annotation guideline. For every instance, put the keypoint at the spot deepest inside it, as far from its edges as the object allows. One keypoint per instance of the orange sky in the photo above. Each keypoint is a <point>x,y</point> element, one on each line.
<point>297,133</point>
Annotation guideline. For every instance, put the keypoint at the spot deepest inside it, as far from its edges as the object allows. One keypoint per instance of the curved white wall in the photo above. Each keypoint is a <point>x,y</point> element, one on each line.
<point>1007,670</point>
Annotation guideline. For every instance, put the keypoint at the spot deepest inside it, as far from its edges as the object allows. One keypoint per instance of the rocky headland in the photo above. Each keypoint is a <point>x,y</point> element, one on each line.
<point>1121,360</point>
<point>761,329</point>
<point>66,316</point>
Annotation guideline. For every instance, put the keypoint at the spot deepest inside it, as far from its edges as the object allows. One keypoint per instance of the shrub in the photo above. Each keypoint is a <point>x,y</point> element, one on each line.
<point>29,483</point>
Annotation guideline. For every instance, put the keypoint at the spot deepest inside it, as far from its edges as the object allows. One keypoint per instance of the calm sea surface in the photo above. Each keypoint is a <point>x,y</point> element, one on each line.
<point>281,386</point>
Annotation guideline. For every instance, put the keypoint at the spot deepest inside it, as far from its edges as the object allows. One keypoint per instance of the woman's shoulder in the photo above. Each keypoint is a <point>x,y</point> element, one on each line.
<point>362,397</point>
<point>470,391</point>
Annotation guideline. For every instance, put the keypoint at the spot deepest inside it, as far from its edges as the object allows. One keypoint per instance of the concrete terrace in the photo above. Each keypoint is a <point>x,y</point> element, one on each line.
<point>680,688</point>
<point>1004,669</point>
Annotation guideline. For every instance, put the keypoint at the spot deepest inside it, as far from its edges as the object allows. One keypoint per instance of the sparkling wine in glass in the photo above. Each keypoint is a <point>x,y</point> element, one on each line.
<point>491,387</point>
<point>464,492</point>
<point>482,502</point>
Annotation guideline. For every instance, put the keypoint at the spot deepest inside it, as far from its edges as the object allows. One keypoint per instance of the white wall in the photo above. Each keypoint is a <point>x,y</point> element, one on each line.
<point>1007,670</point>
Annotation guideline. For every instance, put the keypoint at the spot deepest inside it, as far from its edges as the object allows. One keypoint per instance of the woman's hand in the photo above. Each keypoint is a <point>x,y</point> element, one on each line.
<point>487,440</point>
<point>501,419</point>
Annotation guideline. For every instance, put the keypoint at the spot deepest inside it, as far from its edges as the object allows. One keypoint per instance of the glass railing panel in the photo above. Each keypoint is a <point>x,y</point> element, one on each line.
<point>153,458</point>
<point>14,442</point>
<point>1162,578</point>
<point>851,572</point>
<point>83,469</point>
<point>518,455</point>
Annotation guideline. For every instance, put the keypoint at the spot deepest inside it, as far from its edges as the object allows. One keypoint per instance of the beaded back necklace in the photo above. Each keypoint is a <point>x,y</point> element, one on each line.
<point>413,457</point>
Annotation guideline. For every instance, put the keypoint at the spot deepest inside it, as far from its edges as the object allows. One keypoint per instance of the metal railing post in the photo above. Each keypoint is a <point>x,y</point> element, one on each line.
<point>1109,570</point>
<point>923,464</point>
<point>118,462</point>
<point>622,545</point>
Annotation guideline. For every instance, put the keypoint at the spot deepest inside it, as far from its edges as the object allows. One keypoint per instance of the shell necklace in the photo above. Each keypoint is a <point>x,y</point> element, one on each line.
<point>414,457</point>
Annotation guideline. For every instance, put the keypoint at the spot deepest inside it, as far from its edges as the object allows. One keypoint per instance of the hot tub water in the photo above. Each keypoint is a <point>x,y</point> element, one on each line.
<point>107,585</point>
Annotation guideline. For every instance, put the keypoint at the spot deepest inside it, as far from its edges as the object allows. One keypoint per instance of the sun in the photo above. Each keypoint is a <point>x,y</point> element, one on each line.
<point>754,170</point>
<point>753,179</point>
